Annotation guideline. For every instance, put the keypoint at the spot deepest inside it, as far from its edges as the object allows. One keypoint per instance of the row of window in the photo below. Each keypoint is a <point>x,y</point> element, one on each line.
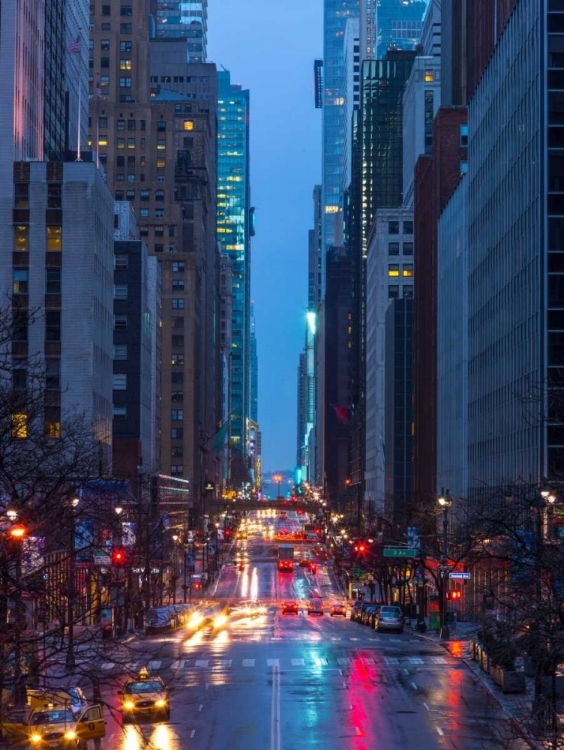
<point>394,227</point>
<point>406,269</point>
<point>105,44</point>
<point>124,10</point>
<point>20,281</point>
<point>144,195</point>
<point>395,291</point>
<point>124,64</point>
<point>20,427</point>
<point>394,248</point>
<point>53,238</point>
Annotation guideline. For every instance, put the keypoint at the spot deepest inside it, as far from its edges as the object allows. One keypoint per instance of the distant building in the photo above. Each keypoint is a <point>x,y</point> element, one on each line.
<point>389,24</point>
<point>253,379</point>
<point>187,20</point>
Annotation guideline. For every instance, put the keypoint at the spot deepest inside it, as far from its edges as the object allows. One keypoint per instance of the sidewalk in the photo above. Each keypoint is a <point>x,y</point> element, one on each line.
<point>517,707</point>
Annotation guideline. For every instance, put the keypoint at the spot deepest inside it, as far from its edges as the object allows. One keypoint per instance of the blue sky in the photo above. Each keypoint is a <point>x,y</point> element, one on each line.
<point>269,48</point>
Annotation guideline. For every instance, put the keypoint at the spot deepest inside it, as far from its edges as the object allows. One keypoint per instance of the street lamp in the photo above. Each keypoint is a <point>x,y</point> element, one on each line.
<point>278,479</point>
<point>18,533</point>
<point>70,661</point>
<point>445,501</point>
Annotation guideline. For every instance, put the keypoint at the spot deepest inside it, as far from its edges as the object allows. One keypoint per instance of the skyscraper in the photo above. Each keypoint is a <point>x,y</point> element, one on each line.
<point>234,233</point>
<point>336,15</point>
<point>253,380</point>
<point>187,20</point>
<point>389,24</point>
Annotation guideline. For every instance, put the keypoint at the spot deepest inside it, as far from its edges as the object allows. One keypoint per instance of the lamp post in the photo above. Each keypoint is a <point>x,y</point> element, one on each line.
<point>70,661</point>
<point>278,479</point>
<point>18,533</point>
<point>174,561</point>
<point>445,501</point>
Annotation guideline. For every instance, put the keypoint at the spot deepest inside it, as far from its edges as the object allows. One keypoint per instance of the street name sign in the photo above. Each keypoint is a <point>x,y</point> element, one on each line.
<point>399,552</point>
<point>463,576</point>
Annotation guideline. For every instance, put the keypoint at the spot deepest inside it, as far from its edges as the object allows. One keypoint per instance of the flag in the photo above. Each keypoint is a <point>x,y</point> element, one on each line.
<point>220,435</point>
<point>99,94</point>
<point>74,46</point>
<point>383,448</point>
<point>342,413</point>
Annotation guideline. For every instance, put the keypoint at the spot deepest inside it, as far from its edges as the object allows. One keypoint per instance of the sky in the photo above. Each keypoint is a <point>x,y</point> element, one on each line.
<point>269,48</point>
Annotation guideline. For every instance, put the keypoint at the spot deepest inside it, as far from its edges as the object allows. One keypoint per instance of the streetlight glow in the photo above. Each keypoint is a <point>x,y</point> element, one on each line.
<point>18,531</point>
<point>119,510</point>
<point>12,514</point>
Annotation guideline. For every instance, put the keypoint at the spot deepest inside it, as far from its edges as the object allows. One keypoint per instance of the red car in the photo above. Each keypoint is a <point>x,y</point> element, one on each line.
<point>290,608</point>
<point>338,609</point>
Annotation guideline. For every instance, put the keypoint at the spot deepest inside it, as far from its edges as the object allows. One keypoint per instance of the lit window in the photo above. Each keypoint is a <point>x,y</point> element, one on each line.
<point>407,270</point>
<point>188,125</point>
<point>131,143</point>
<point>161,144</point>
<point>120,382</point>
<point>177,359</point>
<point>161,163</point>
<point>21,237</point>
<point>120,412</point>
<point>125,64</point>
<point>177,415</point>
<point>408,227</point>
<point>19,425</point>
<point>429,76</point>
<point>120,352</point>
<point>393,270</point>
<point>120,143</point>
<point>464,135</point>
<point>103,141</point>
<point>53,430</point>
<point>54,238</point>
<point>20,280</point>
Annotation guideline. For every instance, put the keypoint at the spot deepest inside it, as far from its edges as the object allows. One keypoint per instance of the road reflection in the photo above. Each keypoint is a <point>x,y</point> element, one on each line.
<point>148,737</point>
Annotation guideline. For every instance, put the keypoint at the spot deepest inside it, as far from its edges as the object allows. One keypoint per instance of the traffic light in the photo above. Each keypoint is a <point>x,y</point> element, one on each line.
<point>118,556</point>
<point>359,548</point>
<point>453,595</point>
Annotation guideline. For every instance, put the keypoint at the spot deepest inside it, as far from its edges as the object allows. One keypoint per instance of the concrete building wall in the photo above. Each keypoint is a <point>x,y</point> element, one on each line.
<point>389,276</point>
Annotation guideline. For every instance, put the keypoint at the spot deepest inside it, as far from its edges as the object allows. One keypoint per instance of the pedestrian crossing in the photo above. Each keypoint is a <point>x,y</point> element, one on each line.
<point>347,662</point>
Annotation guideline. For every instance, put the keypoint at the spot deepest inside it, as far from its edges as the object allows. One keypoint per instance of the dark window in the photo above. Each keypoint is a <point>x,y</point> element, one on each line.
<point>408,248</point>
<point>177,378</point>
<point>120,323</point>
<point>177,415</point>
<point>177,322</point>
<point>103,122</point>
<point>106,10</point>
<point>178,266</point>
<point>120,195</point>
<point>407,290</point>
<point>125,46</point>
<point>19,378</point>
<point>54,195</point>
<point>52,326</point>
<point>556,171</point>
<point>464,135</point>
<point>20,325</point>
<point>178,285</point>
<point>104,46</point>
<point>159,195</point>
<point>159,248</point>
<point>161,126</point>
<point>393,227</point>
<point>20,280</point>
<point>126,10</point>
<point>144,195</point>
<point>177,396</point>
<point>178,342</point>
<point>408,227</point>
<point>177,433</point>
<point>556,262</point>
<point>52,374</point>
<point>393,291</point>
<point>131,124</point>
<point>393,248</point>
<point>125,28</point>
<point>53,281</point>
<point>176,451</point>
<point>105,62</point>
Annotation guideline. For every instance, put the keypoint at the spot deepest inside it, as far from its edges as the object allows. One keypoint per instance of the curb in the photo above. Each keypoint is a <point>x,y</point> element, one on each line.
<point>521,728</point>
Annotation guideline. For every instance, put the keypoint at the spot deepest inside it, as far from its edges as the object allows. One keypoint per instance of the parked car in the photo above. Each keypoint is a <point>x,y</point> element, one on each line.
<point>359,613</point>
<point>183,612</point>
<point>368,612</point>
<point>389,618</point>
<point>356,609</point>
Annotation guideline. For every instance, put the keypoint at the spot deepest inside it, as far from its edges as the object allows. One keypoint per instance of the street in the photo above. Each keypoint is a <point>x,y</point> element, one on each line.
<point>283,682</point>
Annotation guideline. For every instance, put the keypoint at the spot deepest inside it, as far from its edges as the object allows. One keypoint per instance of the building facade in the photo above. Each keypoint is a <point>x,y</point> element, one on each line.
<point>389,276</point>
<point>234,235</point>
<point>185,20</point>
<point>389,24</point>
<point>335,17</point>
<point>59,217</point>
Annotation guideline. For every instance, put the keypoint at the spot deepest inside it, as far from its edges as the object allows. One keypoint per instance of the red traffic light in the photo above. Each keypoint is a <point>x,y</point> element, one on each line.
<point>454,594</point>
<point>118,557</point>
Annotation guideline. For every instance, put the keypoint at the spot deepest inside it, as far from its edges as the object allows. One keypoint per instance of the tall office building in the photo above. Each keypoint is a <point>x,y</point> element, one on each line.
<point>234,229</point>
<point>336,15</point>
<point>187,20</point>
<point>389,24</point>
<point>253,379</point>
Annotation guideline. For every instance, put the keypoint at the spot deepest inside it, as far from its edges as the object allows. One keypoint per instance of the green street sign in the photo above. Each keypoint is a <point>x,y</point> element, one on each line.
<point>399,552</point>
<point>357,572</point>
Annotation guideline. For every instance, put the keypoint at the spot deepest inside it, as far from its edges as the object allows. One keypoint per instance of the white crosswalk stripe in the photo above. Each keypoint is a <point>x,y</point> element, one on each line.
<point>202,662</point>
<point>391,660</point>
<point>273,662</point>
<point>152,666</point>
<point>298,662</point>
<point>131,666</point>
<point>248,662</point>
<point>224,662</point>
<point>108,665</point>
<point>319,662</point>
<point>415,660</point>
<point>367,660</point>
<point>344,660</point>
<point>438,660</point>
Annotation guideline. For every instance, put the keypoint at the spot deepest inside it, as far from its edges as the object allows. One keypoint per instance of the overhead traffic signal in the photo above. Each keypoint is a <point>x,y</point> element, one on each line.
<point>453,594</point>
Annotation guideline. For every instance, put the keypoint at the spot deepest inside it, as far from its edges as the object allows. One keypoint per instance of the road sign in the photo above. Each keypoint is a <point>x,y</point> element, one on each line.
<point>399,552</point>
<point>101,558</point>
<point>463,576</point>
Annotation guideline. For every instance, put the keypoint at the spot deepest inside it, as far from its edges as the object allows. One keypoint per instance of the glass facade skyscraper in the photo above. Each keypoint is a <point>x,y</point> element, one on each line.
<point>336,15</point>
<point>234,233</point>
<point>187,20</point>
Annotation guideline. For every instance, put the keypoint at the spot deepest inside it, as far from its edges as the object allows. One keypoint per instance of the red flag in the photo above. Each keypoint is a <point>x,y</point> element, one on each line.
<point>342,413</point>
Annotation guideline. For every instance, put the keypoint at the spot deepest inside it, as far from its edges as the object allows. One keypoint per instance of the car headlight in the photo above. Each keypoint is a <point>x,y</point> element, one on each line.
<point>195,621</point>
<point>70,735</point>
<point>129,705</point>
<point>160,703</point>
<point>219,621</point>
<point>36,738</point>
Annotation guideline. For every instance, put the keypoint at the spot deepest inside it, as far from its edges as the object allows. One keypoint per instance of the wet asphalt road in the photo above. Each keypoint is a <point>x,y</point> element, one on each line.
<point>304,683</point>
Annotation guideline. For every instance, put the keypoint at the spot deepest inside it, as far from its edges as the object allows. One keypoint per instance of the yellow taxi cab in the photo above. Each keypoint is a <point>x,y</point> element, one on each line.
<point>144,696</point>
<point>57,727</point>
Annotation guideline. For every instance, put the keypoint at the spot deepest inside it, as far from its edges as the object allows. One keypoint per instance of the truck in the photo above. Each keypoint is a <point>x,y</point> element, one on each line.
<point>285,557</point>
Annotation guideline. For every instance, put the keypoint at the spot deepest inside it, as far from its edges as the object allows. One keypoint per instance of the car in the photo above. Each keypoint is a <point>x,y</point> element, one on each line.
<point>70,697</point>
<point>338,608</point>
<point>368,612</point>
<point>57,727</point>
<point>183,612</point>
<point>249,608</point>
<point>290,608</point>
<point>355,612</point>
<point>144,695</point>
<point>304,563</point>
<point>389,618</point>
<point>160,620</point>
<point>315,606</point>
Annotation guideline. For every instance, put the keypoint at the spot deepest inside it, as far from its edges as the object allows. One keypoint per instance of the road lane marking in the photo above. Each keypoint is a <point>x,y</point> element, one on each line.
<point>272,663</point>
<point>202,662</point>
<point>131,665</point>
<point>415,660</point>
<point>406,671</point>
<point>438,660</point>
<point>298,662</point>
<point>440,731</point>
<point>192,734</point>
<point>344,684</point>
<point>344,660</point>
<point>224,662</point>
<point>275,707</point>
<point>248,662</point>
<point>358,731</point>
<point>426,706</point>
<point>201,706</point>
<point>414,686</point>
<point>154,665</point>
<point>176,665</point>
<point>108,665</point>
<point>391,660</point>
<point>367,660</point>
